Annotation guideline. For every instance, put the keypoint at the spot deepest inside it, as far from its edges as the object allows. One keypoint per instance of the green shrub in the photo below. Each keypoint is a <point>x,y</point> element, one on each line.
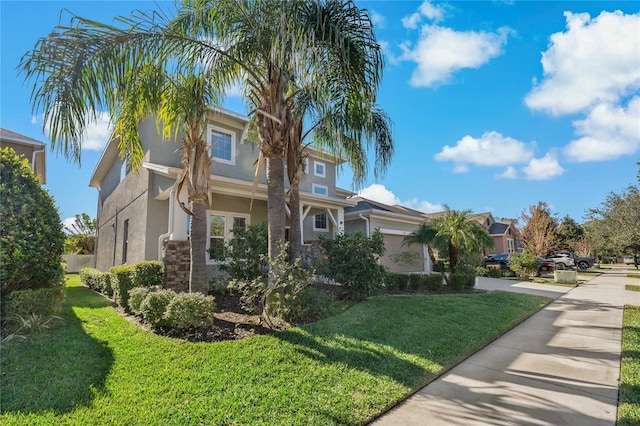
<point>311,304</point>
<point>96,280</point>
<point>154,306</point>
<point>460,281</point>
<point>40,301</point>
<point>524,264</point>
<point>190,310</point>
<point>31,237</point>
<point>416,281</point>
<point>395,282</point>
<point>433,282</point>
<point>481,271</point>
<point>148,273</point>
<point>353,261</point>
<point>137,296</point>
<point>245,254</point>
<point>494,272</point>
<point>89,278</point>
<point>122,282</point>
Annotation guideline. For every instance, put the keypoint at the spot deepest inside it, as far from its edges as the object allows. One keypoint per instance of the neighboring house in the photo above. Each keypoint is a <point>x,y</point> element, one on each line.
<point>505,235</point>
<point>34,151</point>
<point>139,218</point>
<point>394,222</point>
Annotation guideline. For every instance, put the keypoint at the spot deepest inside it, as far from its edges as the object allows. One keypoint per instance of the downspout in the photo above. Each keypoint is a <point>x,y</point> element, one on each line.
<point>33,163</point>
<point>366,224</point>
<point>163,237</point>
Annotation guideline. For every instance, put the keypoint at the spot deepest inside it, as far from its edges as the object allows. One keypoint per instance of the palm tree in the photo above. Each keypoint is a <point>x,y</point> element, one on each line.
<point>280,48</point>
<point>86,67</point>
<point>342,136</point>
<point>271,46</point>
<point>454,232</point>
<point>424,235</point>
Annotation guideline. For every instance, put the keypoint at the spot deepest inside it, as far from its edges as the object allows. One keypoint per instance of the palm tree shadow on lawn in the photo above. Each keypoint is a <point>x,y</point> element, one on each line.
<point>59,369</point>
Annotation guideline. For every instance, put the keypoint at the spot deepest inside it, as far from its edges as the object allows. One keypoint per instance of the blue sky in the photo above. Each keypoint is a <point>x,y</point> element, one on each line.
<point>496,105</point>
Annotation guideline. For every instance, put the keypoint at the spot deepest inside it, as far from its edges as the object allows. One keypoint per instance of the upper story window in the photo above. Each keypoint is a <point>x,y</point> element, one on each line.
<point>319,169</point>
<point>320,189</point>
<point>223,144</point>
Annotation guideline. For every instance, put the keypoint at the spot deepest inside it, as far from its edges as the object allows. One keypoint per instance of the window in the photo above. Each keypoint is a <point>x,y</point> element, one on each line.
<point>306,166</point>
<point>319,169</point>
<point>511,247</point>
<point>320,223</point>
<point>222,145</point>
<point>221,226</point>
<point>320,189</point>
<point>125,240</point>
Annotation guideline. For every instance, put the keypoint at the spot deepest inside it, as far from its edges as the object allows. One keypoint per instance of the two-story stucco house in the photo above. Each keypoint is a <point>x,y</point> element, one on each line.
<point>139,217</point>
<point>34,151</point>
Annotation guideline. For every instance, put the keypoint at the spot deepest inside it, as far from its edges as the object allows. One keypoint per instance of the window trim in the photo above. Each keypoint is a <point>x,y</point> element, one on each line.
<point>326,218</point>
<point>123,170</point>
<point>315,186</point>
<point>232,134</point>
<point>228,227</point>
<point>317,163</point>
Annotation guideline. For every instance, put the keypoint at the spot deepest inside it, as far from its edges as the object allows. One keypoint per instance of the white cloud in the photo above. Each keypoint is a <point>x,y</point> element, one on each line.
<point>442,51</point>
<point>380,193</point>
<point>377,192</point>
<point>69,221</point>
<point>426,10</point>
<point>543,168</point>
<point>593,61</point>
<point>491,149</point>
<point>97,133</point>
<point>607,133</point>
<point>508,173</point>
<point>377,19</point>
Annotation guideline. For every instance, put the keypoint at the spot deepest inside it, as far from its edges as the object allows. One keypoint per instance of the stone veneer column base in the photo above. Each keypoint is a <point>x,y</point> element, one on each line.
<point>176,256</point>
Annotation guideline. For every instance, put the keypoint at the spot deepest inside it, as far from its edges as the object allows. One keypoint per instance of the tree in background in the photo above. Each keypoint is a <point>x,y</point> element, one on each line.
<point>81,235</point>
<point>616,222</point>
<point>569,233</point>
<point>540,232</point>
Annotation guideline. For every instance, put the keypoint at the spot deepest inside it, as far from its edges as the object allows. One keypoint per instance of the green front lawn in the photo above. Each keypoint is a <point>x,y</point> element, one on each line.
<point>629,401</point>
<point>97,368</point>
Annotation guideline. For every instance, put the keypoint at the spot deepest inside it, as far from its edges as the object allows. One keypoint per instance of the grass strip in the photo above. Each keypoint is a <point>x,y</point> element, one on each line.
<point>632,287</point>
<point>97,368</point>
<point>629,397</point>
<point>633,275</point>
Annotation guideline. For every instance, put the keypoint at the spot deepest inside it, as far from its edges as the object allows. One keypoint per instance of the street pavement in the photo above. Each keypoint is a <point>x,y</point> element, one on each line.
<point>559,367</point>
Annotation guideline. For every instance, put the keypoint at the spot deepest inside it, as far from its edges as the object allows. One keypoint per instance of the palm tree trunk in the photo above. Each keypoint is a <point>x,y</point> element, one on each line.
<point>454,256</point>
<point>198,281</point>
<point>276,211</point>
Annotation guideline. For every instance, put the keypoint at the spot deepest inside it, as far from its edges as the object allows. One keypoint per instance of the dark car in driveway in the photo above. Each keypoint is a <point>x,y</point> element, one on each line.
<point>545,264</point>
<point>500,261</point>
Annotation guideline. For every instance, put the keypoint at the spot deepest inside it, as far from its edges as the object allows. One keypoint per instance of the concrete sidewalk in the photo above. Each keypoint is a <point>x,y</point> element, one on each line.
<point>559,367</point>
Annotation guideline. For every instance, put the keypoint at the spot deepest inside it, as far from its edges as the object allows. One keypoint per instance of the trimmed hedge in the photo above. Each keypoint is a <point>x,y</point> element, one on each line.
<point>154,306</point>
<point>122,282</point>
<point>41,301</point>
<point>137,296</point>
<point>190,311</point>
<point>433,282</point>
<point>459,281</point>
<point>121,279</point>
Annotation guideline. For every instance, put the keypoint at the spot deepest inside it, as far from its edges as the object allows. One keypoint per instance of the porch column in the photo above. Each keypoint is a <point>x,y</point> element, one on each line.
<point>179,229</point>
<point>341,220</point>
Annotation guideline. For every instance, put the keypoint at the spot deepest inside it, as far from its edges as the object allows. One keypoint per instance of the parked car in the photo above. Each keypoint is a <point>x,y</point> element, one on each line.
<point>500,261</point>
<point>628,260</point>
<point>567,258</point>
<point>545,264</point>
